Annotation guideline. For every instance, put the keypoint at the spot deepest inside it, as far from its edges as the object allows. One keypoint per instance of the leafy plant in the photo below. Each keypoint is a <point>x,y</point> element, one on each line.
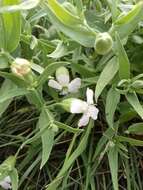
<point>53,55</point>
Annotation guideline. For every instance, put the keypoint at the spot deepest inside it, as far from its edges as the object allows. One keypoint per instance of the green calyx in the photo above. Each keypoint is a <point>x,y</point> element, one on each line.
<point>66,104</point>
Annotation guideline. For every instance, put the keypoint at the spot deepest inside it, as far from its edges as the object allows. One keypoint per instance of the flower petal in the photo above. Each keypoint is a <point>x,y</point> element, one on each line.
<point>74,85</point>
<point>6,183</point>
<point>84,120</point>
<point>89,96</point>
<point>78,106</point>
<point>93,112</point>
<point>63,79</point>
<point>54,84</point>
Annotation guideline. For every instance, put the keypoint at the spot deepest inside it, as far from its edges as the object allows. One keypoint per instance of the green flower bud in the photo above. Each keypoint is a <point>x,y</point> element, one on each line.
<point>103,43</point>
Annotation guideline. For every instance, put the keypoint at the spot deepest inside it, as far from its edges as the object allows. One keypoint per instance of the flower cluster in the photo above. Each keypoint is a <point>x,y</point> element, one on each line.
<point>64,86</point>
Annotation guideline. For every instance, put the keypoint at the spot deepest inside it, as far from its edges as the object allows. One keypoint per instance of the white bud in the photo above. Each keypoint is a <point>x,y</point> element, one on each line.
<point>21,67</point>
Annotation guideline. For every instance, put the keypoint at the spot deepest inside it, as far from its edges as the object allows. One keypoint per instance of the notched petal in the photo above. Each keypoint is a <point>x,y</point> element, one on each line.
<point>89,96</point>
<point>84,120</point>
<point>74,85</point>
<point>54,84</point>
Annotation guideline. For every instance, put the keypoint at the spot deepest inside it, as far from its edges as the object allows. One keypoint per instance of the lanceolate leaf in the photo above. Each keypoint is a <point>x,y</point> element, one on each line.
<point>6,86</point>
<point>133,100</point>
<point>126,24</point>
<point>106,76</point>
<point>71,159</point>
<point>132,141</point>
<point>10,26</point>
<point>11,93</point>
<point>25,5</point>
<point>62,14</point>
<point>80,33</point>
<point>113,163</point>
<point>136,128</point>
<point>124,65</point>
<point>48,136</point>
<point>112,100</point>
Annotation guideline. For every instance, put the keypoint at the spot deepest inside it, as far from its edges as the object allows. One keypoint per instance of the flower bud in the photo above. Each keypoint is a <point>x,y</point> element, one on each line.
<point>103,43</point>
<point>21,67</point>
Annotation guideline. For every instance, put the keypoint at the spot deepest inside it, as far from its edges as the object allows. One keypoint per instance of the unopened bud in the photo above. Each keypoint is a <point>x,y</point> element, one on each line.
<point>21,67</point>
<point>103,43</point>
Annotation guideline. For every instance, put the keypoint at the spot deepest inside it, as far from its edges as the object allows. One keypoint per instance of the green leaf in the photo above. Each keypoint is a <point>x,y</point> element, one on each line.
<point>45,120</point>
<point>18,81</point>
<point>25,5</point>
<point>132,141</point>
<point>108,134</point>
<point>112,100</point>
<point>70,160</point>
<point>83,70</point>
<point>11,93</point>
<point>113,163</point>
<point>133,100</point>
<point>81,33</point>
<point>106,76</point>
<point>14,179</point>
<point>63,14</point>
<point>6,86</point>
<point>10,28</point>
<point>114,8</point>
<point>127,23</point>
<point>78,151</point>
<point>124,64</point>
<point>60,51</point>
<point>136,128</point>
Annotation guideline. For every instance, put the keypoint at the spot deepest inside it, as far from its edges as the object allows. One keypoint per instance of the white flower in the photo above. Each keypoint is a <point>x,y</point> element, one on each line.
<point>6,183</point>
<point>87,108</point>
<point>20,67</point>
<point>62,82</point>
